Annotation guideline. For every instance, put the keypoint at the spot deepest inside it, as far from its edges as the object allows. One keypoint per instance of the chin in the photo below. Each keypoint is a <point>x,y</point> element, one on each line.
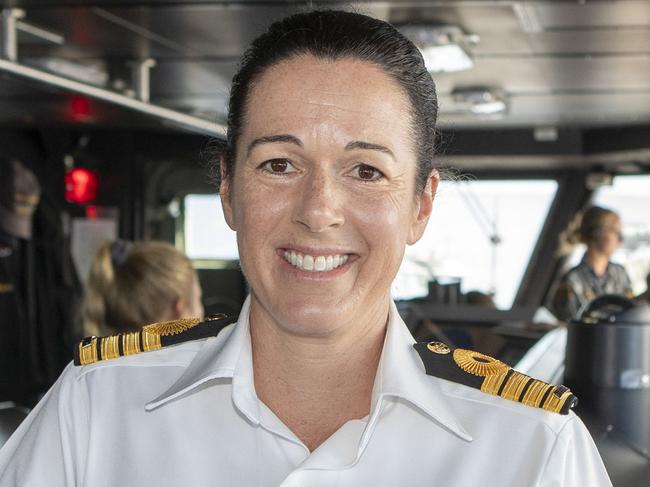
<point>311,319</point>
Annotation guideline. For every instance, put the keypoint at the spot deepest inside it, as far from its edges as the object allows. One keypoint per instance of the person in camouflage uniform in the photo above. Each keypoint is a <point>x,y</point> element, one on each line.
<point>600,230</point>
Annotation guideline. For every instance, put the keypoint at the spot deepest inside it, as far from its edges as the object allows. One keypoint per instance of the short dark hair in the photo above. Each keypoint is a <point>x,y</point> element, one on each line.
<point>332,34</point>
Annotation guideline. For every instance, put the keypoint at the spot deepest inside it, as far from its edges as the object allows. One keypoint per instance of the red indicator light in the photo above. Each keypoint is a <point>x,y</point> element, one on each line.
<point>81,186</point>
<point>79,107</point>
<point>91,212</point>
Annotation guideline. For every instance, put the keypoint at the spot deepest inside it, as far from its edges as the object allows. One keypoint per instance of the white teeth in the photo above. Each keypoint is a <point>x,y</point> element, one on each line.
<point>320,263</point>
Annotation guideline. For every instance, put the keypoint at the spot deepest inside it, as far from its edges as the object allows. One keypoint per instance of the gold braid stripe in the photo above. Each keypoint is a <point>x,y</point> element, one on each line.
<point>110,347</point>
<point>554,403</point>
<point>476,363</point>
<point>492,383</point>
<point>150,341</point>
<point>131,343</point>
<point>535,393</point>
<point>499,379</point>
<point>514,386</point>
<point>88,353</point>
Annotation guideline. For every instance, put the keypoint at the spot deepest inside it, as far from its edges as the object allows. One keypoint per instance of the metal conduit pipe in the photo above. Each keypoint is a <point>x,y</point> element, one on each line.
<point>142,78</point>
<point>195,124</point>
<point>9,24</point>
<point>9,30</point>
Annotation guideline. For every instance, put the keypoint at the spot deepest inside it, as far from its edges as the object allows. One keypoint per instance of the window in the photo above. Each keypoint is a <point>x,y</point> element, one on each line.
<point>629,196</point>
<point>481,233</point>
<point>207,235</point>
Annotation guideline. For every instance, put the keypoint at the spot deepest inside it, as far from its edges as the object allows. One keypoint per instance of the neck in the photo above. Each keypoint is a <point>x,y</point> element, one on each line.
<point>597,260</point>
<point>316,384</point>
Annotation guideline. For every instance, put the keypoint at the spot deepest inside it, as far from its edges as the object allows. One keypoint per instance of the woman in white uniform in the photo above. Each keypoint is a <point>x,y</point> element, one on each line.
<point>326,178</point>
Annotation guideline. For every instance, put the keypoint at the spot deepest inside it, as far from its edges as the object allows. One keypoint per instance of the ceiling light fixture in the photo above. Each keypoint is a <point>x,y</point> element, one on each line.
<point>93,73</point>
<point>444,48</point>
<point>480,100</point>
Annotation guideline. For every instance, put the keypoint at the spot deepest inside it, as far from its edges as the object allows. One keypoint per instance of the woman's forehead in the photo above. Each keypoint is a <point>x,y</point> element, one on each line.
<point>611,219</point>
<point>319,97</point>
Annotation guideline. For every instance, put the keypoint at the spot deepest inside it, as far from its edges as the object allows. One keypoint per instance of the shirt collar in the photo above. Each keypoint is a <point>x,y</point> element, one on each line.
<point>227,356</point>
<point>400,373</point>
<point>591,270</point>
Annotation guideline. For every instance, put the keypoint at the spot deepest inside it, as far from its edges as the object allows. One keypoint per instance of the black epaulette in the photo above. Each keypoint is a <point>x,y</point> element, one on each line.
<point>151,337</point>
<point>494,377</point>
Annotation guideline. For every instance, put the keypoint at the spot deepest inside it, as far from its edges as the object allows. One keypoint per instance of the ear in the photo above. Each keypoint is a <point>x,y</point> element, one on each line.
<point>423,207</point>
<point>176,310</point>
<point>226,195</point>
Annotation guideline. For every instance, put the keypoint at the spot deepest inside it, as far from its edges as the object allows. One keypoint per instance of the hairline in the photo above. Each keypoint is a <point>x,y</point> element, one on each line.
<point>306,52</point>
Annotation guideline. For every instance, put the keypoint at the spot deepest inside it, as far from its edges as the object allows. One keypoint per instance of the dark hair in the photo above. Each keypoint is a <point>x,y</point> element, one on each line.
<point>332,34</point>
<point>592,223</point>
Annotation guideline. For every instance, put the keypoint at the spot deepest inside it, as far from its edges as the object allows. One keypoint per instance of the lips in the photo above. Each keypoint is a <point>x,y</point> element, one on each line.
<point>311,263</point>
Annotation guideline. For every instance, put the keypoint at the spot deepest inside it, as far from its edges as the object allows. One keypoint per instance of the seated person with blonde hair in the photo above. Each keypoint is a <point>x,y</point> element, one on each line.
<point>600,230</point>
<point>134,283</point>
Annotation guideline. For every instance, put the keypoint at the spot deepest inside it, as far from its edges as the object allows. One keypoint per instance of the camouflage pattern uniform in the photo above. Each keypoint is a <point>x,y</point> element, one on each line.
<point>581,284</point>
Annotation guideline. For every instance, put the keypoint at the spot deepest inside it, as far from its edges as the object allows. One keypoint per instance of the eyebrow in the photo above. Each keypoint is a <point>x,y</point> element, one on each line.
<point>358,144</point>
<point>271,139</point>
<point>291,139</point>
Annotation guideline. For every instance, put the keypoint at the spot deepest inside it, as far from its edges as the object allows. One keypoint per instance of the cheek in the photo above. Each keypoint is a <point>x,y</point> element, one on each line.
<point>254,205</point>
<point>613,241</point>
<point>258,212</point>
<point>379,219</point>
<point>383,223</point>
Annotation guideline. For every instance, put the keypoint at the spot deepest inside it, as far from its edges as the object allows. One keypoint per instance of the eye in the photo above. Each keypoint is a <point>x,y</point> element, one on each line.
<point>278,166</point>
<point>368,173</point>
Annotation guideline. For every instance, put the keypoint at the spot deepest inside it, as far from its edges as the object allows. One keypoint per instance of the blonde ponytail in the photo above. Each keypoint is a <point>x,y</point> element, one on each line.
<point>131,285</point>
<point>584,228</point>
<point>570,238</point>
<point>99,284</point>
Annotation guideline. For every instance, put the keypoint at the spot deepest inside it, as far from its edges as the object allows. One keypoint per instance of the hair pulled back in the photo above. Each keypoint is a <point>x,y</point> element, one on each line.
<point>593,221</point>
<point>131,286</point>
<point>333,35</point>
<point>586,227</point>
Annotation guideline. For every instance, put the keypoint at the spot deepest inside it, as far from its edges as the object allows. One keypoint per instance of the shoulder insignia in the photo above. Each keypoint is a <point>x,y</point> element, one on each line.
<point>151,337</point>
<point>494,377</point>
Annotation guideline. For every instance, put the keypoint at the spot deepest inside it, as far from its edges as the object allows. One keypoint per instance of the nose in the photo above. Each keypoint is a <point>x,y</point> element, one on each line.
<point>319,205</point>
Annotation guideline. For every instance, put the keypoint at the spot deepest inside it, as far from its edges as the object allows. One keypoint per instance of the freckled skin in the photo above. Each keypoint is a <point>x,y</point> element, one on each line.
<point>321,201</point>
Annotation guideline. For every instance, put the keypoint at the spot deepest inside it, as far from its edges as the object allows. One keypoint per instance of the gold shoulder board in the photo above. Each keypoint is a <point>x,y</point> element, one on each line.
<point>151,337</point>
<point>494,377</point>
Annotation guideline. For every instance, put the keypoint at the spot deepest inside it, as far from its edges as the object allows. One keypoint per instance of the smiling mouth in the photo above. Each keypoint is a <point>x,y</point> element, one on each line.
<point>310,263</point>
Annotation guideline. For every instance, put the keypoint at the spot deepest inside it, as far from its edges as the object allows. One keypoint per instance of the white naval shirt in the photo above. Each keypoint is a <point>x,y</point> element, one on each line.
<point>188,415</point>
